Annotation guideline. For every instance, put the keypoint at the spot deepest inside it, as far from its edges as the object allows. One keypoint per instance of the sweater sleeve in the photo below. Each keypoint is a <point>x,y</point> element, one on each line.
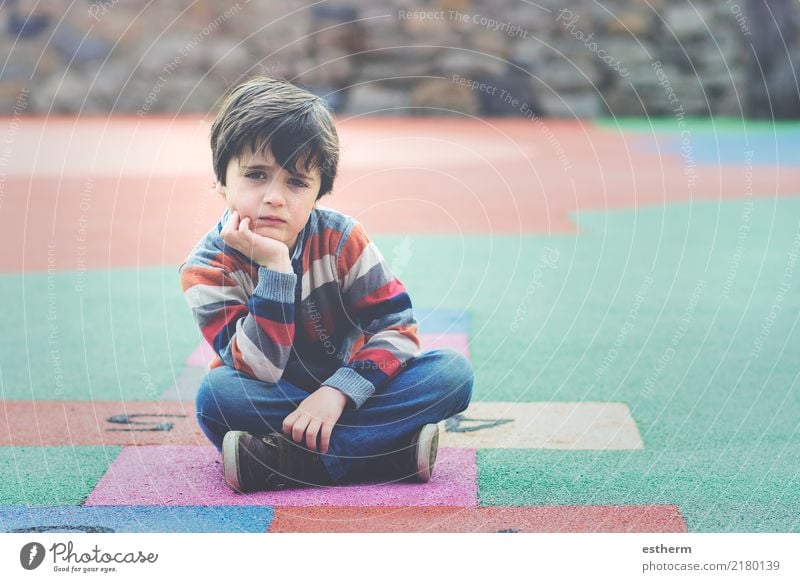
<point>378,302</point>
<point>251,333</point>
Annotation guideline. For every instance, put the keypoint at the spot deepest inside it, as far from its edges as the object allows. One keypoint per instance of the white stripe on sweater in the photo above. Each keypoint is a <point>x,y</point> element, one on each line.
<point>403,344</point>
<point>199,295</point>
<point>369,257</point>
<point>244,280</point>
<point>322,271</point>
<point>261,365</point>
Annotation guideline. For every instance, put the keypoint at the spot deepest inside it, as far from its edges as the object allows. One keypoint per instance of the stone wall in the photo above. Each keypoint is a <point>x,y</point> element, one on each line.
<point>397,57</point>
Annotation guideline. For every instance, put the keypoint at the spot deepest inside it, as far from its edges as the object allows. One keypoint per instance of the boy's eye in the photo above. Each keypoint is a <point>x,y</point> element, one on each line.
<point>259,175</point>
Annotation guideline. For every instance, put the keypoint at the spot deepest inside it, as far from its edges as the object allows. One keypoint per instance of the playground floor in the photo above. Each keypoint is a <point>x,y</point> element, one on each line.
<point>626,292</point>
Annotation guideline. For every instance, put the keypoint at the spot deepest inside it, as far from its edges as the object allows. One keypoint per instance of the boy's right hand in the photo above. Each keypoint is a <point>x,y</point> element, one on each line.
<point>265,251</point>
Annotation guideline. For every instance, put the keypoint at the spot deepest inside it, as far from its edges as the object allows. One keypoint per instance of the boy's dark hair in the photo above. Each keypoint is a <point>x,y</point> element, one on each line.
<point>295,124</point>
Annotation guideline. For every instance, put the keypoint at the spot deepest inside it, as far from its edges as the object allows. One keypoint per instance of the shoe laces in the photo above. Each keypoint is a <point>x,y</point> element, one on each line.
<point>290,464</point>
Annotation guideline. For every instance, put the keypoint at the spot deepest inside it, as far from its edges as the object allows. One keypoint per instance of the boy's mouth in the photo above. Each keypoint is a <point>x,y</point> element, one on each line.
<point>271,220</point>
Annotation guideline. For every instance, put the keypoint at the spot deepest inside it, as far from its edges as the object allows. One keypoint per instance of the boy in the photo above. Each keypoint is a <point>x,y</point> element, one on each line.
<point>318,373</point>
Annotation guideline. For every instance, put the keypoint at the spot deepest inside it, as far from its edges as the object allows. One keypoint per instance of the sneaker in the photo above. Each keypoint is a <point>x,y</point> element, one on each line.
<point>412,462</point>
<point>424,446</point>
<point>269,463</point>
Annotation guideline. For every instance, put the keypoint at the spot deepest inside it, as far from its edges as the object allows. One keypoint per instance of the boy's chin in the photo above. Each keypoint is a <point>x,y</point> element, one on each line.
<point>271,232</point>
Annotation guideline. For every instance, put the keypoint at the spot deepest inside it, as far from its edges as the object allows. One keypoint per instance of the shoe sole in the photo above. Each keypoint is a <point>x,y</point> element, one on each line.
<point>230,459</point>
<point>427,447</point>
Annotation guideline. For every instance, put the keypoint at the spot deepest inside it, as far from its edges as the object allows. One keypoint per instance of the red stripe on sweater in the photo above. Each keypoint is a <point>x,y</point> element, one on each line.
<point>357,345</point>
<point>203,275</point>
<point>321,244</point>
<point>232,264</point>
<point>238,359</point>
<point>409,331</point>
<point>384,360</point>
<point>392,288</point>
<point>280,333</point>
<point>355,245</point>
<point>216,272</point>
<point>231,313</point>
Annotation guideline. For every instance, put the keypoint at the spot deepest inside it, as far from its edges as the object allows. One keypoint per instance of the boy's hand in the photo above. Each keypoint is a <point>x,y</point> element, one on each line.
<point>316,416</point>
<point>265,251</point>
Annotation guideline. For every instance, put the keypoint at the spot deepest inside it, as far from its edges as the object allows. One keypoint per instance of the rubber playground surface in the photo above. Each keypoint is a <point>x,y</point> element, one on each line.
<point>627,294</point>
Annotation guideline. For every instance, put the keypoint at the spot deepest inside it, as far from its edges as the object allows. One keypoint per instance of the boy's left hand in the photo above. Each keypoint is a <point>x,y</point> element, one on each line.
<point>316,417</point>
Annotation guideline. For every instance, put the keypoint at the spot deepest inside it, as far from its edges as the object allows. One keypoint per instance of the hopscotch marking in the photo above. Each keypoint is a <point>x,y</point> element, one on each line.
<point>543,425</point>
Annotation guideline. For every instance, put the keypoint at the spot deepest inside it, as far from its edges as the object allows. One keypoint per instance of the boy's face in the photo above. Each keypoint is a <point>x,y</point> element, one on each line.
<point>278,202</point>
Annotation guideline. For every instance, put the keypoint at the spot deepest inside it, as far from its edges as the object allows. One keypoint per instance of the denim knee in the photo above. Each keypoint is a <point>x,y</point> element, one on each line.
<point>454,377</point>
<point>215,402</point>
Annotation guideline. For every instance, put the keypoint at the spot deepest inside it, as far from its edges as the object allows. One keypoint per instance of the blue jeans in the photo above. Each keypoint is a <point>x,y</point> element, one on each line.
<point>433,386</point>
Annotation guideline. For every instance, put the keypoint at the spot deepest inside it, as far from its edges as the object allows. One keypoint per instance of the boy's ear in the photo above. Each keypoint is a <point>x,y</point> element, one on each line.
<point>219,188</point>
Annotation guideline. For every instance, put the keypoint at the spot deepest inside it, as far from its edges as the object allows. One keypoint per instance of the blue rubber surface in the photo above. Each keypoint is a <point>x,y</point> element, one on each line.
<point>135,519</point>
<point>703,147</point>
<point>442,320</point>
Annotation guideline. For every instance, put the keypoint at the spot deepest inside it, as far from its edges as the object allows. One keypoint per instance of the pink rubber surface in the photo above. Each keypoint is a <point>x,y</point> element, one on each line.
<point>456,341</point>
<point>183,475</point>
<point>200,356</point>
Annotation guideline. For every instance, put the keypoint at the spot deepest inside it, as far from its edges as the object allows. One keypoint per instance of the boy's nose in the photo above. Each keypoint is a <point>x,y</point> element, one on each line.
<point>273,196</point>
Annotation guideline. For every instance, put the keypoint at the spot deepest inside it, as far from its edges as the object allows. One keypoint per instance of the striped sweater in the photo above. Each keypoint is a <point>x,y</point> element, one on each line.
<point>341,319</point>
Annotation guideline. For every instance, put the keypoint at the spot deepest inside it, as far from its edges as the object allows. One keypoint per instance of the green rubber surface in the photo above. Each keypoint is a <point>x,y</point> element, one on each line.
<point>568,317</point>
<point>123,335</point>
<point>686,312</point>
<point>51,475</point>
<point>677,311</point>
<point>739,488</point>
